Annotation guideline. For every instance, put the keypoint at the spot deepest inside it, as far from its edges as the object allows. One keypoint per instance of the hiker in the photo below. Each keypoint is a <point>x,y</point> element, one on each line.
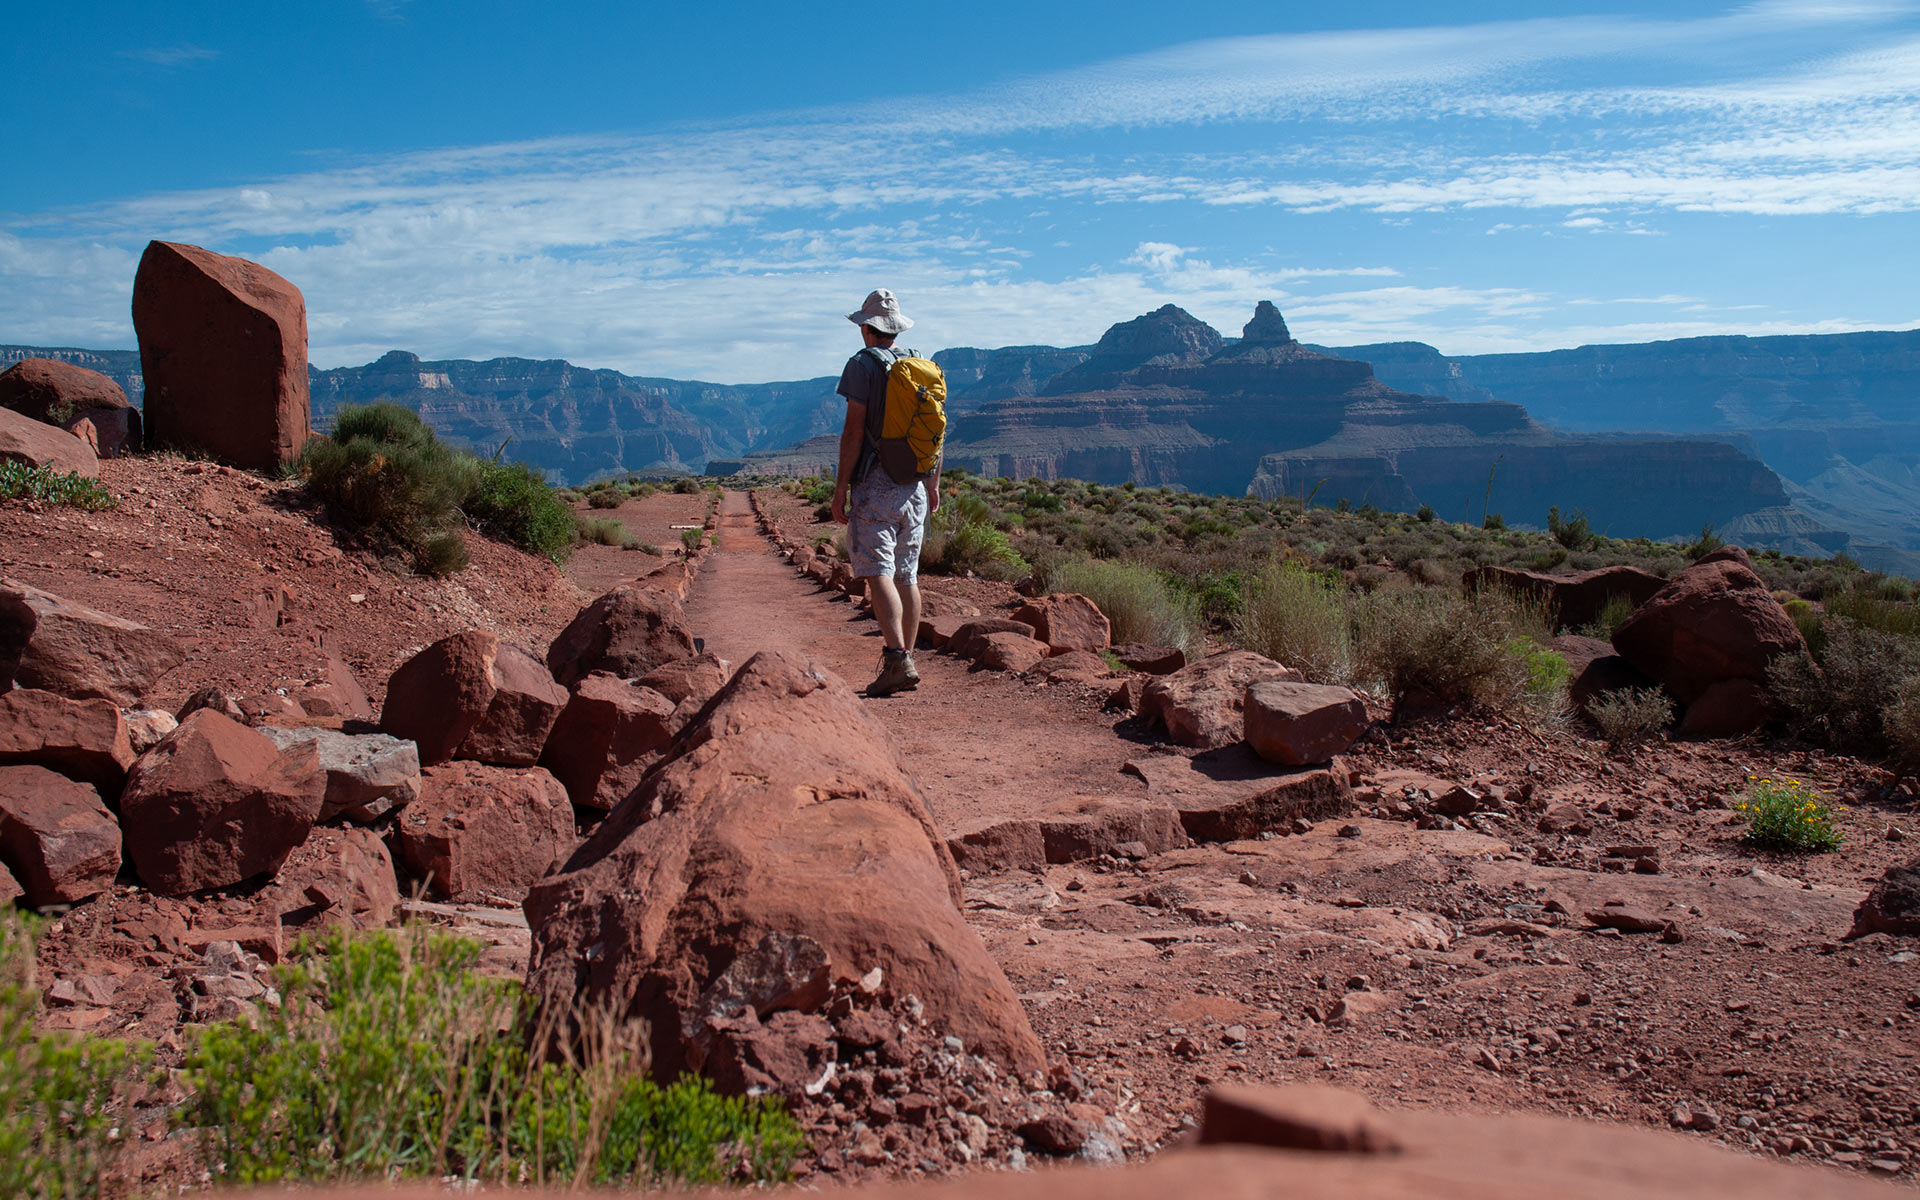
<point>886,488</point>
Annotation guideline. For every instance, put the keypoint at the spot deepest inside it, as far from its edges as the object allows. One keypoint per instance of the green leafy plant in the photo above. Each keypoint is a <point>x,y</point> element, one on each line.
<point>63,1097</point>
<point>19,481</point>
<point>1787,814</point>
<point>1630,717</point>
<point>606,498</point>
<point>515,501</point>
<point>389,1057</point>
<point>693,539</point>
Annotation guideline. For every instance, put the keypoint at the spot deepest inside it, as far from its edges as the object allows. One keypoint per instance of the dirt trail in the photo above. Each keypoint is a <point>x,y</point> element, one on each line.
<point>984,746</point>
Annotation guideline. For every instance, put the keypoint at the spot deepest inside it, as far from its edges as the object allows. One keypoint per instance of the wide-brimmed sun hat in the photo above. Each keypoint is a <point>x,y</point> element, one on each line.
<point>882,311</point>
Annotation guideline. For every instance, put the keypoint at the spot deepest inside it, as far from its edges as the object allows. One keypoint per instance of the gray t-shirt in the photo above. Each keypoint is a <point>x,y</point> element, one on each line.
<point>864,381</point>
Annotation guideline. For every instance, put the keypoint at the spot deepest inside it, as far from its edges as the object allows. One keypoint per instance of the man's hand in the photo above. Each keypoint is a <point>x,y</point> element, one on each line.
<point>840,505</point>
<point>933,496</point>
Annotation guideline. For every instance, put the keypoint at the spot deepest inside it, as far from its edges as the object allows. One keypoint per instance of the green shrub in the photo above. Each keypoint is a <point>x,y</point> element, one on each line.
<point>18,481</point>
<point>514,500</point>
<point>686,485</point>
<point>1573,534</point>
<point>1787,814</point>
<point>1138,601</point>
<point>693,539</point>
<point>1807,620</point>
<point>1867,605</point>
<point>1612,615</point>
<point>1546,675</point>
<point>389,1057</point>
<point>606,498</point>
<point>1903,728</point>
<point>648,548</point>
<point>1841,701</point>
<point>384,471</point>
<point>62,1096</point>
<point>1425,515</point>
<point>1705,544</point>
<point>1439,645</point>
<point>1630,716</point>
<point>600,531</point>
<point>1298,617</point>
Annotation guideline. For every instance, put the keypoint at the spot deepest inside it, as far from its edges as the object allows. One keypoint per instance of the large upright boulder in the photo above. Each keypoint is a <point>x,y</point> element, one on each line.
<point>216,803</point>
<point>1711,624</point>
<point>37,444</point>
<point>223,349</point>
<point>85,654</point>
<point>469,696</point>
<point>64,394</point>
<point>627,632</point>
<point>779,850</point>
<point>1201,704</point>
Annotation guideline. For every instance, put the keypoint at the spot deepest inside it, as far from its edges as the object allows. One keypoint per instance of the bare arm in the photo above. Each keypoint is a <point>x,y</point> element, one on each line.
<point>852,436</point>
<point>933,488</point>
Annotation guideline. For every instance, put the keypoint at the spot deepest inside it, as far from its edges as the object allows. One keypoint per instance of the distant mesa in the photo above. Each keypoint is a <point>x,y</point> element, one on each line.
<point>1165,399</point>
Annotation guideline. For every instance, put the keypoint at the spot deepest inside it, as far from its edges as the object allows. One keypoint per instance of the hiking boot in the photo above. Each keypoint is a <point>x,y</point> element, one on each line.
<point>897,674</point>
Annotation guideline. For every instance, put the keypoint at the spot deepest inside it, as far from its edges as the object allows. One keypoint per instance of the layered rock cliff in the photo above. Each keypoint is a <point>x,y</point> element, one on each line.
<point>1164,399</point>
<point>1837,416</point>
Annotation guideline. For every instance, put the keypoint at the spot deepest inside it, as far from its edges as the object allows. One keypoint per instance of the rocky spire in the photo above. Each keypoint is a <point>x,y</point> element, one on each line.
<point>1268,327</point>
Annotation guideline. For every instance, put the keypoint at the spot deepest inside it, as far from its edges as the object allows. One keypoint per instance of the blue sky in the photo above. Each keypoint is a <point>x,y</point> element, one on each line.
<point>703,191</point>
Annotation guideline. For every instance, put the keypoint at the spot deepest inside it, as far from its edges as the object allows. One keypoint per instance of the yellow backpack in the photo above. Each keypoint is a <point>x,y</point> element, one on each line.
<point>911,427</point>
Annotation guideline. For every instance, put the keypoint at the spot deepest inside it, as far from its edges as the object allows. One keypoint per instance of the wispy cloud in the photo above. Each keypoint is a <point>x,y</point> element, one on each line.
<point>1009,216</point>
<point>171,56</point>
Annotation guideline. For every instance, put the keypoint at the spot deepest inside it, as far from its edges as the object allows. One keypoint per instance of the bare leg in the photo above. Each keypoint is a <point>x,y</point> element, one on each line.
<point>886,610</point>
<point>909,612</point>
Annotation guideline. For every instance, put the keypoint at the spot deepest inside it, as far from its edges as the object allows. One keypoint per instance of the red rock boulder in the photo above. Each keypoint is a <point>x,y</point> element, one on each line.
<point>1577,598</point>
<point>790,852</point>
<point>1014,652</point>
<point>64,394</point>
<point>689,680</point>
<point>468,696</point>
<point>627,632</point>
<point>339,877</point>
<point>1201,704</point>
<point>483,833</point>
<point>613,729</point>
<point>1067,621</point>
<point>56,837</point>
<point>83,654</point>
<point>1150,660</point>
<point>1595,669</point>
<point>1711,624</point>
<point>223,350</point>
<point>82,739</point>
<point>1296,724</point>
<point>216,803</point>
<point>37,444</point>
<point>969,639</point>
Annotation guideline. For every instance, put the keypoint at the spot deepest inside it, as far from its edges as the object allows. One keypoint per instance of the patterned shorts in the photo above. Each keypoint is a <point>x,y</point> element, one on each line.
<point>886,522</point>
